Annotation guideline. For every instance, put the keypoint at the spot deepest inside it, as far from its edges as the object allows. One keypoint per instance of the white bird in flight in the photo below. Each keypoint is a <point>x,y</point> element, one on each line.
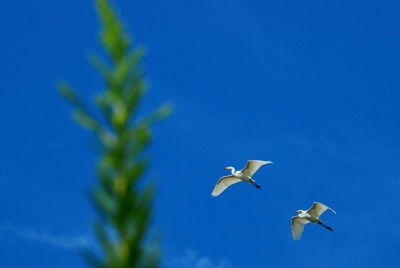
<point>306,216</point>
<point>241,175</point>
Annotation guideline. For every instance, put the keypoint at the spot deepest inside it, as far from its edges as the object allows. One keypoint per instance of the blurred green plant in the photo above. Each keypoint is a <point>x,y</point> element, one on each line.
<point>124,206</point>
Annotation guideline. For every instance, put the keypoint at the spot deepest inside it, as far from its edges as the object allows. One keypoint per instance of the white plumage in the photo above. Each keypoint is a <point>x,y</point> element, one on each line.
<point>242,175</point>
<point>306,216</point>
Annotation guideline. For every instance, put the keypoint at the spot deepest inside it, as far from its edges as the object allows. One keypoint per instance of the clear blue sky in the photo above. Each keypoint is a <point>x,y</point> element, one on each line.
<point>311,85</point>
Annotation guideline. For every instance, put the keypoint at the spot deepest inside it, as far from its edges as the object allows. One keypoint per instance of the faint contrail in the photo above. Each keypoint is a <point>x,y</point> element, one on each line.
<point>57,240</point>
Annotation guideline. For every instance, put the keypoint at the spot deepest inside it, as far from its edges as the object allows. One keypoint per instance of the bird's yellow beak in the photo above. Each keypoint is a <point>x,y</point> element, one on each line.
<point>226,167</point>
<point>296,211</point>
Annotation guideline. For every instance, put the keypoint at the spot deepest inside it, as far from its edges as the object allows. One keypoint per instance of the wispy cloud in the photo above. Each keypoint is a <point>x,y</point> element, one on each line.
<point>50,238</point>
<point>193,259</point>
<point>324,147</point>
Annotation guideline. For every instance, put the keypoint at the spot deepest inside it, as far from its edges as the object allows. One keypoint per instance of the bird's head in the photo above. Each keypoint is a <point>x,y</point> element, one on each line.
<point>231,168</point>
<point>298,211</point>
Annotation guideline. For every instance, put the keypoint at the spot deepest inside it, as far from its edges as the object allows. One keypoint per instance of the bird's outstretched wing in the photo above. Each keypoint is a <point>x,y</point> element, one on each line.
<point>298,226</point>
<point>317,209</point>
<point>252,166</point>
<point>224,183</point>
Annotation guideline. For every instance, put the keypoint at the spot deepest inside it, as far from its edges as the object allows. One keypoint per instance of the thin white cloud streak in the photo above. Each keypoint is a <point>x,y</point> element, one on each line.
<point>242,19</point>
<point>193,259</point>
<point>52,239</point>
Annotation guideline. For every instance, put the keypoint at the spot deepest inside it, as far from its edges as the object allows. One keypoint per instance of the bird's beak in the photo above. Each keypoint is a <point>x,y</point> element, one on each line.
<point>226,168</point>
<point>296,211</point>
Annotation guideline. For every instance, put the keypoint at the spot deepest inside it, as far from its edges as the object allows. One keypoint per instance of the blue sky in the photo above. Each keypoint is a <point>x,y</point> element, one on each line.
<point>311,85</point>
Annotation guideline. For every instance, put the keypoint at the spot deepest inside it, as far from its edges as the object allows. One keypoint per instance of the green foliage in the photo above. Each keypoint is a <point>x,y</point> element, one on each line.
<point>124,207</point>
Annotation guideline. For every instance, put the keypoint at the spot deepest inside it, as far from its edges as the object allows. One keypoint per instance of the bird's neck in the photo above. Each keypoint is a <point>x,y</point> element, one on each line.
<point>233,171</point>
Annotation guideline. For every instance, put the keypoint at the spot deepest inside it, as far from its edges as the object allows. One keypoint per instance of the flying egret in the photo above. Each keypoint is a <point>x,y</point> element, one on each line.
<point>306,216</point>
<point>241,175</point>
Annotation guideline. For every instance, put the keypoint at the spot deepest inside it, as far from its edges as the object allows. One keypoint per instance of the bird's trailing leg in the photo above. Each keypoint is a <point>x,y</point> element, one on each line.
<point>255,185</point>
<point>325,226</point>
